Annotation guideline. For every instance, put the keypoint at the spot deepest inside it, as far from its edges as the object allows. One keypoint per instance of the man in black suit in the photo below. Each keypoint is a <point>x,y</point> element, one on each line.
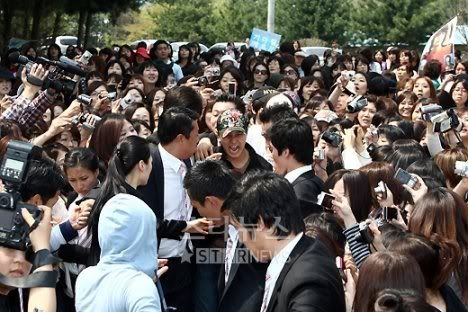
<point>302,275</point>
<point>291,145</point>
<point>165,194</point>
<point>240,278</point>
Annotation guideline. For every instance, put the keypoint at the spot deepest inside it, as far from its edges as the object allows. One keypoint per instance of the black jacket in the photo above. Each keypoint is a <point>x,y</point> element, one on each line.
<point>153,195</point>
<point>307,187</point>
<point>244,288</point>
<point>256,161</point>
<point>309,281</point>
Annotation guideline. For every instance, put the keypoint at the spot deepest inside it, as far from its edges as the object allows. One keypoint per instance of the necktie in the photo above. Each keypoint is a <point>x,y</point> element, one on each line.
<point>266,294</point>
<point>186,202</point>
<point>227,264</point>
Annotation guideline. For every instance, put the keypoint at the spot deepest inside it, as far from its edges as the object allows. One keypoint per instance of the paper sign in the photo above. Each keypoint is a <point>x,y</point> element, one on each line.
<point>264,40</point>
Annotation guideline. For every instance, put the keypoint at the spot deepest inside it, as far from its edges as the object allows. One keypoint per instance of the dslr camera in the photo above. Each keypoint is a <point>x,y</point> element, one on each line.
<point>356,104</point>
<point>332,138</point>
<point>13,229</point>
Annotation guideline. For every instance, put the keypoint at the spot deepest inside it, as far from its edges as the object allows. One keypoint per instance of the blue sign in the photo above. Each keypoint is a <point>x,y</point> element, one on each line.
<point>264,40</point>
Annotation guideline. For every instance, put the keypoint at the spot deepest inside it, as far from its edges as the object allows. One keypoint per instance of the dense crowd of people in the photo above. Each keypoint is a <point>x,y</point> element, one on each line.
<point>240,180</point>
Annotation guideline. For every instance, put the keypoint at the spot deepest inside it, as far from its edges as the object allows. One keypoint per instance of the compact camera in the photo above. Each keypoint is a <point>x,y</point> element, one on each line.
<point>332,138</point>
<point>357,104</point>
<point>13,171</point>
<point>85,99</point>
<point>319,154</point>
<point>461,168</point>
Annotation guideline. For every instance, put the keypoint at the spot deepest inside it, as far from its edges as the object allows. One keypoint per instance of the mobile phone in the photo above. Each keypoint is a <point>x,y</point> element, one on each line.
<point>381,189</point>
<point>325,200</point>
<point>405,178</point>
<point>232,88</point>
<point>389,213</point>
<point>340,265</point>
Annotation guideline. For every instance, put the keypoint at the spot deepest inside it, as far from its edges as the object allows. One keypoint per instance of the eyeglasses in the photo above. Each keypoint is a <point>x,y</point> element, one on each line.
<point>290,72</point>
<point>260,72</point>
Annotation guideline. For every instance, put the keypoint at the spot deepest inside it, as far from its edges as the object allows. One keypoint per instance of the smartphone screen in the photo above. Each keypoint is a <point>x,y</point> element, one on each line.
<point>389,213</point>
<point>403,176</point>
<point>232,88</point>
<point>325,200</point>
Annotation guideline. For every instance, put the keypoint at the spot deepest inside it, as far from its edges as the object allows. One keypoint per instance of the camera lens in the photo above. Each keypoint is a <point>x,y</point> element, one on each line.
<point>4,201</point>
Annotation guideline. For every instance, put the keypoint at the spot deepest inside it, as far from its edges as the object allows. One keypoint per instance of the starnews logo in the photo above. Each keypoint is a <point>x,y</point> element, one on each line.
<point>218,256</point>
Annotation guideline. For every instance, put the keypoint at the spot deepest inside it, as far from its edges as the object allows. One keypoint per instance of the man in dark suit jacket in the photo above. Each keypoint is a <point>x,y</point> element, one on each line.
<point>302,275</point>
<point>291,144</point>
<point>208,184</point>
<point>166,196</point>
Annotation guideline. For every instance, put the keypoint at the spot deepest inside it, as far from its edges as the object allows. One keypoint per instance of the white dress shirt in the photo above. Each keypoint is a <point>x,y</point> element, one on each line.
<point>274,270</point>
<point>176,206</point>
<point>294,174</point>
<point>231,245</point>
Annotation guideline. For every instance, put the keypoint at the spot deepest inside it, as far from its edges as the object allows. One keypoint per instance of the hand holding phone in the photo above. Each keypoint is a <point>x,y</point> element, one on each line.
<point>406,178</point>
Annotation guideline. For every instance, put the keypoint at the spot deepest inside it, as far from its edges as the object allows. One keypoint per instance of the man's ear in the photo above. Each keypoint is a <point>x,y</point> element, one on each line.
<point>180,138</point>
<point>285,152</point>
<point>213,202</point>
<point>35,200</point>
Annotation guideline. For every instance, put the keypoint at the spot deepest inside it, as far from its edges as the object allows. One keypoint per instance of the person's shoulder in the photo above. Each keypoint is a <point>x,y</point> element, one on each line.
<point>308,179</point>
<point>141,294</point>
<point>314,254</point>
<point>259,161</point>
<point>124,199</point>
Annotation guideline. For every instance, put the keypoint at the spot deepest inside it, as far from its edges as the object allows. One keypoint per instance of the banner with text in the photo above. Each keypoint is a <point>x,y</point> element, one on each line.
<point>264,40</point>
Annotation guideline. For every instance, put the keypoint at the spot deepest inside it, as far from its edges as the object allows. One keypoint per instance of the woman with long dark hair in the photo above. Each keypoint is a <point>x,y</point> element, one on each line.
<point>124,243</point>
<point>129,167</point>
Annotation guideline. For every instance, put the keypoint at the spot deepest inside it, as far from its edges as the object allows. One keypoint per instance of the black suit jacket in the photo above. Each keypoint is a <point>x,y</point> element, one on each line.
<point>244,288</point>
<point>307,187</point>
<point>309,281</point>
<point>153,194</point>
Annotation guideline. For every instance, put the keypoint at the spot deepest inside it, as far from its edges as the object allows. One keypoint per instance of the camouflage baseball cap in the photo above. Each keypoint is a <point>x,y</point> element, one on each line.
<point>231,120</point>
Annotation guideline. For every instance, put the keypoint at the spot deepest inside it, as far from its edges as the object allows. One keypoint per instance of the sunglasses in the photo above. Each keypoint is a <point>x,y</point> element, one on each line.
<point>260,72</point>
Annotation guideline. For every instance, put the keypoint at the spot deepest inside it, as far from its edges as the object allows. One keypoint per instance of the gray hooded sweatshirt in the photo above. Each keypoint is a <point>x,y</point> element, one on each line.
<point>122,280</point>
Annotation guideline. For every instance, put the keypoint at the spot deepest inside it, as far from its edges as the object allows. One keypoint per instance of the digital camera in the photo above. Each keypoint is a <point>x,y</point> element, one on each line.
<point>13,171</point>
<point>332,138</point>
<point>357,104</point>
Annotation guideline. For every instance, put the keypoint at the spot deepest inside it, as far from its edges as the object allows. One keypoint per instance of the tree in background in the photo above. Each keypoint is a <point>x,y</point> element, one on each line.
<point>398,21</point>
<point>327,20</point>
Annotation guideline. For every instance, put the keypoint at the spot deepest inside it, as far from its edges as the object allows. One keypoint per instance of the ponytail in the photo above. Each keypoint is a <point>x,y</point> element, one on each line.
<point>126,156</point>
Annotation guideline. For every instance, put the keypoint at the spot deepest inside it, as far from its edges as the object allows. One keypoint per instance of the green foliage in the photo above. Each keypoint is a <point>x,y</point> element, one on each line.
<point>183,20</point>
<point>323,19</point>
<point>235,19</point>
<point>209,21</point>
<point>398,21</point>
